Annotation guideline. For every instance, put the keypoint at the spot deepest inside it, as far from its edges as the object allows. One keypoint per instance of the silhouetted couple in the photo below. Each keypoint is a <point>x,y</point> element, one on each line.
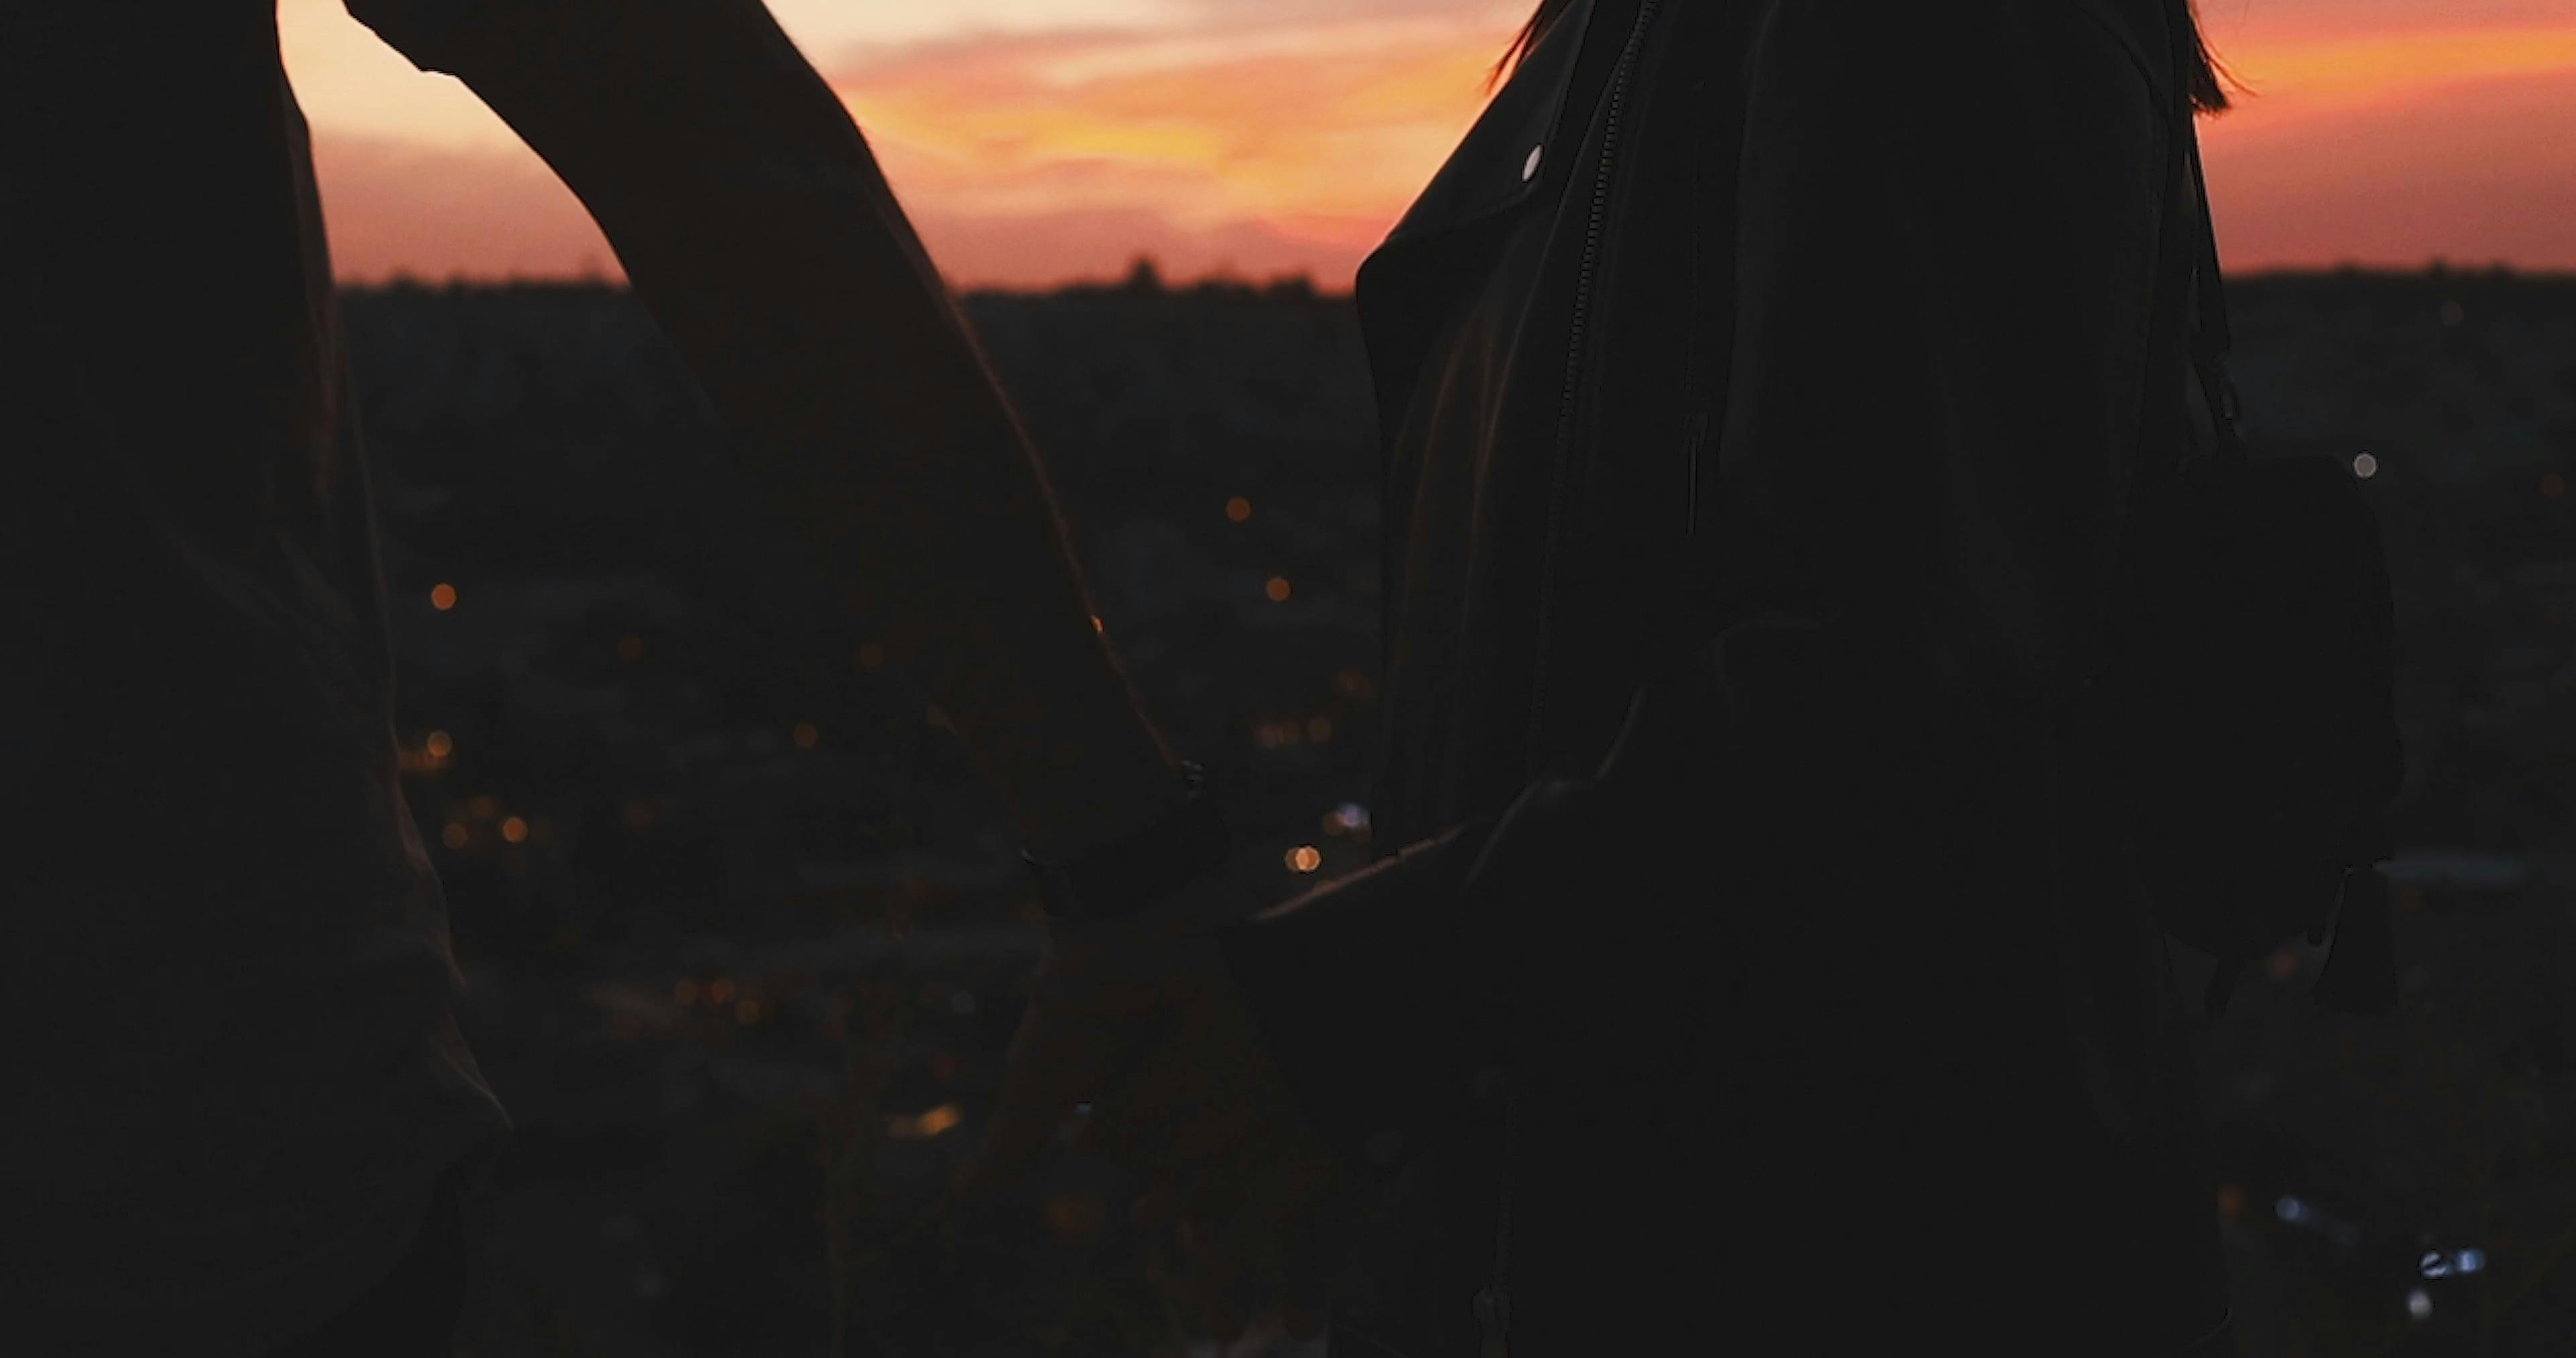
<point>1758,383</point>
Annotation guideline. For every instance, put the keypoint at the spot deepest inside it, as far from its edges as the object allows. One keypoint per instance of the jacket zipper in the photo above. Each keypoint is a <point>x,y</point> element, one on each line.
<point>1574,355</point>
<point>1493,1307</point>
<point>1694,433</point>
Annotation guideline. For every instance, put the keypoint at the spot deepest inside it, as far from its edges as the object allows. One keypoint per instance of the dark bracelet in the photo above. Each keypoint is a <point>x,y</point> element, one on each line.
<point>1125,875</point>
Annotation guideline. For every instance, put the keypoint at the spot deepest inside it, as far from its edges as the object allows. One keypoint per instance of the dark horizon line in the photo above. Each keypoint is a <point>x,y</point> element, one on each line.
<point>1302,283</point>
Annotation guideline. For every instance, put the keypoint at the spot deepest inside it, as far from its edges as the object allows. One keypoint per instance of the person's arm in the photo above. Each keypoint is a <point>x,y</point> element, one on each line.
<point>1944,260</point>
<point>1375,999</point>
<point>755,225</point>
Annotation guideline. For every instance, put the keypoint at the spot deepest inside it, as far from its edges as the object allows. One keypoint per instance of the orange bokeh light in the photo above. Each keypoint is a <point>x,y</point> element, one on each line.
<point>938,1119</point>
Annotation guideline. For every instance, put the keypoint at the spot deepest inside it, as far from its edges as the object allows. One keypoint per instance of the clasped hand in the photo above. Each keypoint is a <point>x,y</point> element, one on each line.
<point>1245,1205</point>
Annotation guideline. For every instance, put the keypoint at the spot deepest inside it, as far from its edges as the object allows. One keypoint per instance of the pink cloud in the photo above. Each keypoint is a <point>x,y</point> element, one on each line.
<point>1289,148</point>
<point>395,210</point>
<point>2453,172</point>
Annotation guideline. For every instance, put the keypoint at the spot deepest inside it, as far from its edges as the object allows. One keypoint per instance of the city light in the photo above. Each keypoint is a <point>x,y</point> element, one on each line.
<point>807,735</point>
<point>1277,589</point>
<point>454,836</point>
<point>2365,466</point>
<point>514,830</point>
<point>442,597</point>
<point>746,1011</point>
<point>686,992</point>
<point>1238,509</point>
<point>439,745</point>
<point>1304,858</point>
<point>2419,1304</point>
<point>721,992</point>
<point>925,1126</point>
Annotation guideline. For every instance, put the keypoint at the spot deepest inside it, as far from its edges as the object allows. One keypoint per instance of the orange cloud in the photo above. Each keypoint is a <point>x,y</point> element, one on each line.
<point>401,210</point>
<point>1027,160</point>
<point>2451,171</point>
<point>2299,76</point>
<point>1334,123</point>
<point>1031,160</point>
<point>394,208</point>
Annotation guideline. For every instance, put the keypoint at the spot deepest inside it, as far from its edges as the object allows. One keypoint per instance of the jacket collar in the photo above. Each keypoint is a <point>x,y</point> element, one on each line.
<point>1492,169</point>
<point>1485,175</point>
<point>2144,29</point>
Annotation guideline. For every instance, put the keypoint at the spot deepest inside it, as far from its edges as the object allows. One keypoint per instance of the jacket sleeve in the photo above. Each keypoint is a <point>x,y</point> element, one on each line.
<point>735,190</point>
<point>1398,1000</point>
<point>1944,260</point>
<point>1367,996</point>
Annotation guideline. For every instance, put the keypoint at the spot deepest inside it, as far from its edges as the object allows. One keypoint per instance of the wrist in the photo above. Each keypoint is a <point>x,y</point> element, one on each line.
<point>1126,874</point>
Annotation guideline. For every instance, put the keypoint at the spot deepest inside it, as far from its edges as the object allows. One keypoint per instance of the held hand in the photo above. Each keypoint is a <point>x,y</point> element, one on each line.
<point>1097,1002</point>
<point>1140,1020</point>
<point>1252,1207</point>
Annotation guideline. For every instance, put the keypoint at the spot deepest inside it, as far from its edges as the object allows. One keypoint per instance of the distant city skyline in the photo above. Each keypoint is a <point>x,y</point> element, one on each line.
<point>1037,142</point>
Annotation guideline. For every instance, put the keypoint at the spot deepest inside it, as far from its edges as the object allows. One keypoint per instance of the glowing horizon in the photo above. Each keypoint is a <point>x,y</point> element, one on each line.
<point>1038,142</point>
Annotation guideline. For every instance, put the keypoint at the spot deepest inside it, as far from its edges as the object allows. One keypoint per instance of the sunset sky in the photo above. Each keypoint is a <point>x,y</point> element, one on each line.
<point>1037,141</point>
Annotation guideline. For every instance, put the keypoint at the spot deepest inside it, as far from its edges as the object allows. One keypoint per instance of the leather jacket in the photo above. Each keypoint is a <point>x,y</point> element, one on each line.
<point>1774,372</point>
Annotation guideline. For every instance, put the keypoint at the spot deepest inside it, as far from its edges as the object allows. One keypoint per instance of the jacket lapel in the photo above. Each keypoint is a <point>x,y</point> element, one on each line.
<point>1503,158</point>
<point>2143,29</point>
<point>1501,164</point>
